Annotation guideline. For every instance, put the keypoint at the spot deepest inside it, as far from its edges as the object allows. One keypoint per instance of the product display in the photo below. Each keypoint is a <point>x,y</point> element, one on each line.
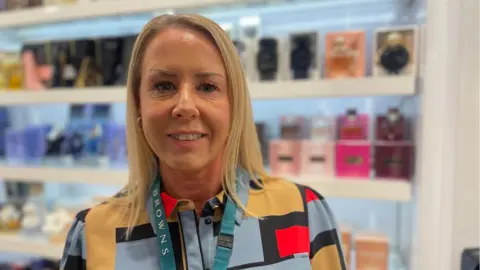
<point>267,59</point>
<point>345,54</point>
<point>371,251</point>
<point>9,218</point>
<point>395,51</point>
<point>11,74</point>
<point>393,148</point>
<point>57,224</point>
<point>304,56</point>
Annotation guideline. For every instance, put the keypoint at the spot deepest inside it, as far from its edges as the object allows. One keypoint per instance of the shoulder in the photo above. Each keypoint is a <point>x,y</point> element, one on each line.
<point>281,196</point>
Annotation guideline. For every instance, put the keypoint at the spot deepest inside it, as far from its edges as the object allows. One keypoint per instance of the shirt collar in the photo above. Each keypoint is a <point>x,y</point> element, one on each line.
<point>173,206</point>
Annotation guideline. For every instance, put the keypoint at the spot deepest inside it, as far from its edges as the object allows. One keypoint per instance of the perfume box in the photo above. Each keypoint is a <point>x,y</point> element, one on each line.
<point>392,126</point>
<point>395,51</point>
<point>242,52</point>
<point>322,128</point>
<point>38,67</point>
<point>394,159</point>
<point>34,138</point>
<point>87,62</point>
<point>270,59</point>
<point>352,159</point>
<point>110,59</point>
<point>347,241</point>
<point>14,146</point>
<point>304,60</point>
<point>293,127</point>
<point>262,139</point>
<point>62,58</point>
<point>371,251</point>
<point>128,43</point>
<point>353,126</point>
<point>317,157</point>
<point>345,54</point>
<point>284,156</point>
<point>116,144</point>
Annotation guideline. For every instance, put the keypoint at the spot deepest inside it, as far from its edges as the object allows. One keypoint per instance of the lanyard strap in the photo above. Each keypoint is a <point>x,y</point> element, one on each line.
<point>164,240</point>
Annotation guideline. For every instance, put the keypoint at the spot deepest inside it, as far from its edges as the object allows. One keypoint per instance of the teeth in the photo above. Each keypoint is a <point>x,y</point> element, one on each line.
<point>187,137</point>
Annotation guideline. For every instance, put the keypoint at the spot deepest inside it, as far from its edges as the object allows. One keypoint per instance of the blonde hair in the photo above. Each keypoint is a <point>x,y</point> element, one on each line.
<point>242,148</point>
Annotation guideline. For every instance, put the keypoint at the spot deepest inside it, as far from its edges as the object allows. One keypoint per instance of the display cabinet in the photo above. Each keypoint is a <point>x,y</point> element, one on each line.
<point>365,83</point>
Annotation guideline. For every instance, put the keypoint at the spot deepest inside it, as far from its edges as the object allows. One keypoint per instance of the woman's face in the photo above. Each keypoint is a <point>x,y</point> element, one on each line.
<point>184,100</point>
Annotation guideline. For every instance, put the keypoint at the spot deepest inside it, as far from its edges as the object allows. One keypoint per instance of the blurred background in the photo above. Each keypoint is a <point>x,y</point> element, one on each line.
<point>373,103</point>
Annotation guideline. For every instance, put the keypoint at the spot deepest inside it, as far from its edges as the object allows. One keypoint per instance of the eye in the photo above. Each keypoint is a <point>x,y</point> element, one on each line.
<point>207,87</point>
<point>164,86</point>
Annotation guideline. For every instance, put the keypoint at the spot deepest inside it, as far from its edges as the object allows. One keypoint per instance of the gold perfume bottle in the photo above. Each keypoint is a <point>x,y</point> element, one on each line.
<point>88,74</point>
<point>13,71</point>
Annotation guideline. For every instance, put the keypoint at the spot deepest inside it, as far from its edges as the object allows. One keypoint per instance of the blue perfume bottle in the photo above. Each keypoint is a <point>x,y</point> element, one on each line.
<point>35,143</point>
<point>14,147</point>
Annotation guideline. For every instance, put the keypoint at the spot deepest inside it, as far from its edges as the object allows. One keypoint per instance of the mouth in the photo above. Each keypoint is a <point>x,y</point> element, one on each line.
<point>187,137</point>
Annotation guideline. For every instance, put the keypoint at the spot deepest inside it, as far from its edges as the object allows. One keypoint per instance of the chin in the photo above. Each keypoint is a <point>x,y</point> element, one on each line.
<point>185,164</point>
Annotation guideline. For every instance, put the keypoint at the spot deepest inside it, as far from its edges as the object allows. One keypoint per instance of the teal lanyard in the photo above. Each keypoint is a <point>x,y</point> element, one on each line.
<point>164,240</point>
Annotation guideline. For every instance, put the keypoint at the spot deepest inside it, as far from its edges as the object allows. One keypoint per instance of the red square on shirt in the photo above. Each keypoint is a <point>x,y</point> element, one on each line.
<point>292,240</point>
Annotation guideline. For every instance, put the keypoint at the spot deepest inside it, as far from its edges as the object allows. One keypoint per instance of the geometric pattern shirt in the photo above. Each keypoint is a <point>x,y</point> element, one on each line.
<point>292,229</point>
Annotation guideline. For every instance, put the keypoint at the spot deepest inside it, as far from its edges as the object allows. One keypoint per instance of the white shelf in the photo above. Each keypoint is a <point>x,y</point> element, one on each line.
<point>86,10</point>
<point>369,86</point>
<point>358,188</point>
<point>388,189</point>
<point>30,246</point>
<point>65,175</point>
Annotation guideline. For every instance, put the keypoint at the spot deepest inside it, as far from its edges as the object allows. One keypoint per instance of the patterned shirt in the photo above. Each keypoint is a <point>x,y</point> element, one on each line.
<point>292,228</point>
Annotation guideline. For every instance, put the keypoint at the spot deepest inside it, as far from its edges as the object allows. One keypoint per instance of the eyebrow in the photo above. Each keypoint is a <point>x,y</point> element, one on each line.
<point>167,73</point>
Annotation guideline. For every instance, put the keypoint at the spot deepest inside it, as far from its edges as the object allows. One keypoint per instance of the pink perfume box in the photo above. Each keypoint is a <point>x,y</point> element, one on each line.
<point>317,157</point>
<point>352,159</point>
<point>284,157</point>
<point>353,127</point>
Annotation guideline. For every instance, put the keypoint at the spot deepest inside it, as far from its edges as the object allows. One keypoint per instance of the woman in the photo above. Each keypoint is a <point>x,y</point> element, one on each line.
<point>198,196</point>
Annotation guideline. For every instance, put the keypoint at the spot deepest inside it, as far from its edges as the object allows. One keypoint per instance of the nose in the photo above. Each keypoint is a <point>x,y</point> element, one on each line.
<point>186,107</point>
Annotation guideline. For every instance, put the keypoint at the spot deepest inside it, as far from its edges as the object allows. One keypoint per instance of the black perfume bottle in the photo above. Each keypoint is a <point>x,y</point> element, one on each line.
<point>110,59</point>
<point>55,142</point>
<point>75,144</point>
<point>64,71</point>
<point>301,56</point>
<point>267,59</point>
<point>127,47</point>
<point>394,56</point>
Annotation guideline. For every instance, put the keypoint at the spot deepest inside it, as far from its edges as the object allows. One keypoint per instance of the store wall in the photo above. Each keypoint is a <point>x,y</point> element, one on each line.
<point>466,204</point>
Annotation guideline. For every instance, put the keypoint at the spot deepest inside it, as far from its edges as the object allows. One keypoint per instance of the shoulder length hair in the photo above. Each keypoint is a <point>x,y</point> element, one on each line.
<point>242,148</point>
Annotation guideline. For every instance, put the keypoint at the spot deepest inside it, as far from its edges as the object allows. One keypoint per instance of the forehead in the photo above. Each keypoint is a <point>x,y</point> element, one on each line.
<point>182,48</point>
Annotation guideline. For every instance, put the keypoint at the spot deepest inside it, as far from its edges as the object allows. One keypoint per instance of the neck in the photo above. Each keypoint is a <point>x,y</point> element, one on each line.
<point>196,186</point>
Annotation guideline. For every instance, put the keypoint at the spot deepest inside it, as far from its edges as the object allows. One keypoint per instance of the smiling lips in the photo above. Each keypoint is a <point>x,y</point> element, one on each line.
<point>187,136</point>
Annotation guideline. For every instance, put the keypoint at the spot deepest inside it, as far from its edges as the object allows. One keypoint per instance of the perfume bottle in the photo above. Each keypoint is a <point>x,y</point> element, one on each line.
<point>17,4</point>
<point>393,150</point>
<point>110,58</point>
<point>262,139</point>
<point>395,50</point>
<point>128,43</point>
<point>293,127</point>
<point>13,71</point>
<point>240,46</point>
<point>55,141</point>
<point>302,55</point>
<point>392,126</point>
<point>394,56</point>
<point>267,59</point>
<point>353,126</point>
<point>87,52</point>
<point>345,54</point>
<point>94,140</point>
<point>65,72</point>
